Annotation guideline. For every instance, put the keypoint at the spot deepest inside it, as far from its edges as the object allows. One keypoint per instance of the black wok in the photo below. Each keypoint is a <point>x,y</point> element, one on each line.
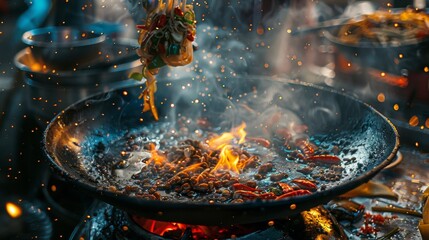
<point>334,117</point>
<point>384,57</point>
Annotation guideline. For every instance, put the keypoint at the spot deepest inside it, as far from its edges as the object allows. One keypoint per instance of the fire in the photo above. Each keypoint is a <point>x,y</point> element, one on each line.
<point>228,159</point>
<point>156,157</point>
<point>226,138</point>
<point>172,230</point>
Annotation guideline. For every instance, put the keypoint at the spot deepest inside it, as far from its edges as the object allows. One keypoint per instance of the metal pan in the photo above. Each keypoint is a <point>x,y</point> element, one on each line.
<point>395,58</point>
<point>332,116</point>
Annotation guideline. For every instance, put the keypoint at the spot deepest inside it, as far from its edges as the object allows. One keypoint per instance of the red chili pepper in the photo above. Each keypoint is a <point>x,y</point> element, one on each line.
<point>305,184</point>
<point>178,12</point>
<point>162,21</point>
<point>301,156</point>
<point>239,186</point>
<point>378,219</point>
<point>251,195</point>
<point>246,194</point>
<point>141,27</point>
<point>258,140</point>
<point>286,187</point>
<point>268,195</point>
<point>305,147</point>
<point>326,159</point>
<point>300,192</point>
<point>190,37</point>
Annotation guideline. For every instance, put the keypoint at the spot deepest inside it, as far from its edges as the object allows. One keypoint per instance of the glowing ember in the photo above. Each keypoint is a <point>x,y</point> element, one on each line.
<point>414,121</point>
<point>172,230</point>
<point>398,81</point>
<point>13,210</point>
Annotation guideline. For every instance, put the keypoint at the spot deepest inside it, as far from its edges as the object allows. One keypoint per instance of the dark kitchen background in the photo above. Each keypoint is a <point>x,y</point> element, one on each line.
<point>272,38</point>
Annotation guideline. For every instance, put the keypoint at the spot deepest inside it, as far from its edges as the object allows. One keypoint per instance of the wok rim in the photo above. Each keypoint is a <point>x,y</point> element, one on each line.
<point>168,205</point>
<point>334,39</point>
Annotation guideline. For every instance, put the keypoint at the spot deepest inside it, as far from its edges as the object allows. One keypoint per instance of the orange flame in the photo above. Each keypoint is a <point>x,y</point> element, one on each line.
<point>226,138</point>
<point>156,157</point>
<point>228,159</point>
<point>165,229</point>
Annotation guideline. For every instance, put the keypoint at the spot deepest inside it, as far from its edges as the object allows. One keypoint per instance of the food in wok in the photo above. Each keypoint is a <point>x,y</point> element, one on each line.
<point>386,28</point>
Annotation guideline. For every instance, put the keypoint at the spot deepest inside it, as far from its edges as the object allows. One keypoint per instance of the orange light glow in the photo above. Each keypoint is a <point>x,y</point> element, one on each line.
<point>396,107</point>
<point>414,121</point>
<point>165,229</point>
<point>228,160</point>
<point>398,81</point>
<point>381,97</point>
<point>36,67</point>
<point>226,138</point>
<point>13,210</point>
<point>427,123</point>
<point>156,157</point>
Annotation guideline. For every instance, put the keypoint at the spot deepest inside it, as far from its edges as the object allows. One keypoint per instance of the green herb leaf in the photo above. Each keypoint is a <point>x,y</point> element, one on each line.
<point>136,76</point>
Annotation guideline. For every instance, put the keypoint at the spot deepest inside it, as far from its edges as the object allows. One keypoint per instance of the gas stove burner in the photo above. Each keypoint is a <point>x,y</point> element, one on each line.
<point>104,221</point>
<point>150,229</point>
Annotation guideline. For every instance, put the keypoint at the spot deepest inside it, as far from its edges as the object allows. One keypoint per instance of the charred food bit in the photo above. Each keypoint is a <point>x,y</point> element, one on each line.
<point>346,210</point>
<point>316,223</point>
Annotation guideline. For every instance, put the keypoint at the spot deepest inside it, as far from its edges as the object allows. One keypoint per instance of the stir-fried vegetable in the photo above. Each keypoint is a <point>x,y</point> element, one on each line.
<point>165,39</point>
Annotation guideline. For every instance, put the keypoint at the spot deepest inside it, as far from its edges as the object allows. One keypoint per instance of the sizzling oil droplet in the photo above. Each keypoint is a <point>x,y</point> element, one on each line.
<point>381,97</point>
<point>396,107</point>
<point>414,121</point>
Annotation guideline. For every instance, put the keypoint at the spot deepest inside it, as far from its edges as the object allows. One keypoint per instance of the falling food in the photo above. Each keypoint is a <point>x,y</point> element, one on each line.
<point>165,39</point>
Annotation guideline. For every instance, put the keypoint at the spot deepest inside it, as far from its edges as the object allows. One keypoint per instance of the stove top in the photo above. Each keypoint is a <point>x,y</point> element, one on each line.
<point>407,180</point>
